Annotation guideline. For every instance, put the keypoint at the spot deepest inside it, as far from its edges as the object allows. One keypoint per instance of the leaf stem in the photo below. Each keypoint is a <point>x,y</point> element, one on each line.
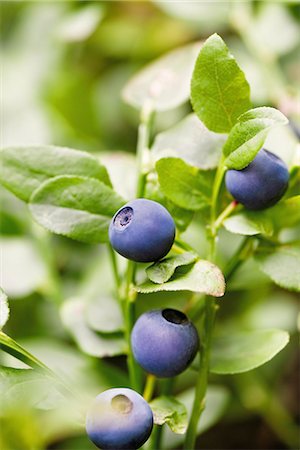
<point>149,388</point>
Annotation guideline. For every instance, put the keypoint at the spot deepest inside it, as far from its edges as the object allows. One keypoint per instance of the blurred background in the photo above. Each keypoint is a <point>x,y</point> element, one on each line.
<point>64,65</point>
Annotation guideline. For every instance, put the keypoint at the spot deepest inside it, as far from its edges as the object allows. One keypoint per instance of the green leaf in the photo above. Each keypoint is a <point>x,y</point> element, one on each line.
<point>20,256</point>
<point>170,411</point>
<point>161,271</point>
<point>241,352</point>
<point>78,207</point>
<point>165,83</point>
<point>249,223</point>
<point>220,92</point>
<point>181,216</point>
<point>202,277</point>
<point>285,214</point>
<point>191,141</point>
<point>92,343</point>
<point>281,264</point>
<point>248,135</point>
<point>11,347</point>
<point>25,168</point>
<point>185,185</point>
<point>215,405</point>
<point>4,309</point>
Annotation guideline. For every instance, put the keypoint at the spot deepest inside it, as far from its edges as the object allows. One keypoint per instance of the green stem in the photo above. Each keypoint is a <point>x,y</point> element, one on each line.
<point>157,433</point>
<point>143,141</point>
<point>149,388</point>
<point>226,213</point>
<point>114,265</point>
<point>210,308</point>
<point>214,205</point>
<point>44,245</point>
<point>202,380</point>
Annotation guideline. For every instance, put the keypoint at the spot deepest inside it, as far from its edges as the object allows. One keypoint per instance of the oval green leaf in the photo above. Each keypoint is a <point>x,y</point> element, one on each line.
<point>241,352</point>
<point>25,168</point>
<point>220,92</point>
<point>248,135</point>
<point>202,277</point>
<point>161,271</point>
<point>170,411</point>
<point>78,207</point>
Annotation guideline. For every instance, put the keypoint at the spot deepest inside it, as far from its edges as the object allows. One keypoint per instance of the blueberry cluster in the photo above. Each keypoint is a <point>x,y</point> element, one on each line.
<point>164,342</point>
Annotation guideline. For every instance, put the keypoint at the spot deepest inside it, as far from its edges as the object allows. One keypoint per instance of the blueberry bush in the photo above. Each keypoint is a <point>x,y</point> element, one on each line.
<point>205,212</point>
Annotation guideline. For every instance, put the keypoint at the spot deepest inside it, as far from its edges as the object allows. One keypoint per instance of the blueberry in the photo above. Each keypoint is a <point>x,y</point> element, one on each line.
<point>164,342</point>
<point>119,419</point>
<point>261,184</point>
<point>142,231</point>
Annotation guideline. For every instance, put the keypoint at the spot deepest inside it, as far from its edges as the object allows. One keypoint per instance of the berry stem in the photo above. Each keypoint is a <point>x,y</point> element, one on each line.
<point>149,388</point>
<point>225,213</point>
<point>214,205</point>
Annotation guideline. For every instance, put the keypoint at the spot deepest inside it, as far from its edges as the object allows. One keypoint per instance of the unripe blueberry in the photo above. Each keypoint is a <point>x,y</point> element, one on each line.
<point>164,342</point>
<point>119,419</point>
<point>143,231</point>
<point>261,184</point>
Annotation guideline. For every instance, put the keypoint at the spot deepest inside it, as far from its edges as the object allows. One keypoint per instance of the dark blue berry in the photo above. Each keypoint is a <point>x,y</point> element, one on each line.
<point>164,342</point>
<point>143,231</point>
<point>261,184</point>
<point>119,419</point>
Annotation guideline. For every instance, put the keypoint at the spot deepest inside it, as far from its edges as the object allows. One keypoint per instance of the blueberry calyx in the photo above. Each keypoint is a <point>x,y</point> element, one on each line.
<point>174,316</point>
<point>121,404</point>
<point>123,218</point>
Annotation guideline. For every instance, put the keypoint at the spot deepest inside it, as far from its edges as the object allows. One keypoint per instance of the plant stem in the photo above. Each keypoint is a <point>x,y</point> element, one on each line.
<point>143,139</point>
<point>214,204</point>
<point>210,308</point>
<point>114,265</point>
<point>149,388</point>
<point>202,380</point>
<point>157,433</point>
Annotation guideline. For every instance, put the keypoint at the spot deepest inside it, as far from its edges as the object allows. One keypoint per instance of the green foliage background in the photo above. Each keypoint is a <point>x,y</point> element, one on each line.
<point>64,66</point>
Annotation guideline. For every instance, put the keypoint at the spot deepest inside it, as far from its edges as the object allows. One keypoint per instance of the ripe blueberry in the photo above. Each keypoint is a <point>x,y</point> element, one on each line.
<point>261,184</point>
<point>119,419</point>
<point>143,230</point>
<point>164,342</point>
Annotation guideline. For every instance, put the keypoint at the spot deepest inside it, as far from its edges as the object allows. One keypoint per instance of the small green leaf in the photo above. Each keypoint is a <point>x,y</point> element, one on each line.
<point>215,405</point>
<point>165,83</point>
<point>92,343</point>
<point>191,141</point>
<point>25,168</point>
<point>202,277</point>
<point>286,213</point>
<point>161,271</point>
<point>241,352</point>
<point>248,135</point>
<point>78,207</point>
<point>4,309</point>
<point>12,347</point>
<point>185,185</point>
<point>249,223</point>
<point>220,92</point>
<point>281,264</point>
<point>170,411</point>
